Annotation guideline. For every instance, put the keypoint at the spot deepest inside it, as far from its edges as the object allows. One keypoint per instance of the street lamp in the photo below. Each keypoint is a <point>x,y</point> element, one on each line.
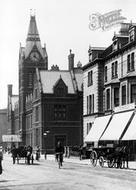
<point>45,134</point>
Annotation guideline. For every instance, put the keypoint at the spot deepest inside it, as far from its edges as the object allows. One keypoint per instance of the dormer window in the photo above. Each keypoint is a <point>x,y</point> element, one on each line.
<point>60,88</point>
<point>115,45</point>
<point>132,35</point>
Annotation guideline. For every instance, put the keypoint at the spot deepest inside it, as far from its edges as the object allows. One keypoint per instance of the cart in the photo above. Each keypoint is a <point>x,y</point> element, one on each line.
<point>113,156</point>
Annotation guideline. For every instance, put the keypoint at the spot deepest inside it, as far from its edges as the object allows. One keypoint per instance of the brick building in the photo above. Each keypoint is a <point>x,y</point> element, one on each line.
<point>49,106</point>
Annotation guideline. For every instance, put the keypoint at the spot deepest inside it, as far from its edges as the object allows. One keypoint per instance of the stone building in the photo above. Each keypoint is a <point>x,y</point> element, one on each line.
<point>109,102</point>
<point>49,106</point>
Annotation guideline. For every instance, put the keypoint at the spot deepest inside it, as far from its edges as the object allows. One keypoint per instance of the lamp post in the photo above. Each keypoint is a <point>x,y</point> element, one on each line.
<point>45,135</point>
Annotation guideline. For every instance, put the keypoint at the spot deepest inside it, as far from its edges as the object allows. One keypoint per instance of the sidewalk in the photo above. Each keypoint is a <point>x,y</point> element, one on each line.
<point>76,160</point>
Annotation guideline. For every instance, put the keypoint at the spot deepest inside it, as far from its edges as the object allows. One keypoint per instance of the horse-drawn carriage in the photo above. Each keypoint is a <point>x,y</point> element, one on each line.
<point>113,156</point>
<point>23,152</point>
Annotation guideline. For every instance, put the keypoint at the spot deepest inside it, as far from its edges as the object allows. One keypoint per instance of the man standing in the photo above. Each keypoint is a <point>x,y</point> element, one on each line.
<point>14,153</point>
<point>1,158</point>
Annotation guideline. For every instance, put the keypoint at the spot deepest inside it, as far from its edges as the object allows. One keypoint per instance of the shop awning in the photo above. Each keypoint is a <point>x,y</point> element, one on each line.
<point>97,129</point>
<point>117,126</point>
<point>131,131</point>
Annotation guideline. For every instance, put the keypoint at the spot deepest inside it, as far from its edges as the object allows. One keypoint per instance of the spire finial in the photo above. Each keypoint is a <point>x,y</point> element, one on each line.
<point>32,12</point>
<point>70,51</point>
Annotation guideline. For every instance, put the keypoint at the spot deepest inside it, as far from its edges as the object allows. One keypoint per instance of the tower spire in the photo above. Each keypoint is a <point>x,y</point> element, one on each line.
<point>33,34</point>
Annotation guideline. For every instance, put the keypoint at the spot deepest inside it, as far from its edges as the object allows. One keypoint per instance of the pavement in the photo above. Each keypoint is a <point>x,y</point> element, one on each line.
<point>76,160</point>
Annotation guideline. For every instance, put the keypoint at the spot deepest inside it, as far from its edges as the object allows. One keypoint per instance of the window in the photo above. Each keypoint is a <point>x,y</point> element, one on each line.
<point>114,69</point>
<point>115,45</point>
<point>124,95</point>
<point>132,35</point>
<point>87,105</point>
<point>116,97</point>
<point>59,112</point>
<point>108,98</point>
<point>90,104</point>
<point>89,126</point>
<point>131,62</point>
<point>90,78</point>
<point>105,71</point>
<point>128,63</point>
<point>36,113</point>
<point>133,93</point>
<point>60,91</point>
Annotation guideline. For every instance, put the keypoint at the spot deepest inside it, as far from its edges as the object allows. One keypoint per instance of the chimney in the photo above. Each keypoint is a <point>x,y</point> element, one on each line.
<point>10,90</point>
<point>71,60</point>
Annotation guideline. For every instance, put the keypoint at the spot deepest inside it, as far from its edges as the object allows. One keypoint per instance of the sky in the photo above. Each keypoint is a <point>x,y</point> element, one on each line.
<point>62,25</point>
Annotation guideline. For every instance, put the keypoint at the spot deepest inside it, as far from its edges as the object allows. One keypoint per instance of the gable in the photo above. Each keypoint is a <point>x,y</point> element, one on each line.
<point>60,88</point>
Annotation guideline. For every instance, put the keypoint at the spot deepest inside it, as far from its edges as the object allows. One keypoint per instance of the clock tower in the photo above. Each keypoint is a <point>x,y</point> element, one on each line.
<point>32,56</point>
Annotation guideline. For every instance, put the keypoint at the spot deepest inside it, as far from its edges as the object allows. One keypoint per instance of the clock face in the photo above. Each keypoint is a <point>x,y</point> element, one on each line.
<point>35,56</point>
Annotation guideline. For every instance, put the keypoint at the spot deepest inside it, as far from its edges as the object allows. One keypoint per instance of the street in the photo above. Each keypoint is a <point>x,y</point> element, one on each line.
<point>45,175</point>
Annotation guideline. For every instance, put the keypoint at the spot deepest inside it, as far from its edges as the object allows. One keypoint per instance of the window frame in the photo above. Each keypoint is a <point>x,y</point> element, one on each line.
<point>123,95</point>
<point>90,78</point>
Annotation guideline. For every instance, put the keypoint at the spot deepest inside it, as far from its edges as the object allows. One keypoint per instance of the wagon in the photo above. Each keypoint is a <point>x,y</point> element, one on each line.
<point>24,153</point>
<point>113,156</point>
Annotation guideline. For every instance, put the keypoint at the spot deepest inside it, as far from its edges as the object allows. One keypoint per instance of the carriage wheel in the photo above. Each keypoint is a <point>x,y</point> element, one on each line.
<point>101,161</point>
<point>111,163</point>
<point>93,158</point>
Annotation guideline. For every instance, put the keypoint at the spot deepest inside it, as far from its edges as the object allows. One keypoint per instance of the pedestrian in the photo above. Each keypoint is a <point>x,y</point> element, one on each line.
<point>1,158</point>
<point>80,152</point>
<point>38,153</point>
<point>59,150</point>
<point>29,154</point>
<point>14,153</point>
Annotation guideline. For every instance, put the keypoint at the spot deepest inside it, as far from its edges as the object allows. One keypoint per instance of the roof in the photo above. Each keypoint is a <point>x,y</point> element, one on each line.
<point>50,78</point>
<point>79,79</point>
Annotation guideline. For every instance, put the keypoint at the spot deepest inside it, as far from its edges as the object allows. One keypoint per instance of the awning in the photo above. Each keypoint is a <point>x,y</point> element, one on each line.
<point>117,126</point>
<point>97,129</point>
<point>131,131</point>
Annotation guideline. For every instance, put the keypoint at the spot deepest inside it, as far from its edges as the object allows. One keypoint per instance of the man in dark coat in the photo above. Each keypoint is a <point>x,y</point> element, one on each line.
<point>59,150</point>
<point>14,153</point>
